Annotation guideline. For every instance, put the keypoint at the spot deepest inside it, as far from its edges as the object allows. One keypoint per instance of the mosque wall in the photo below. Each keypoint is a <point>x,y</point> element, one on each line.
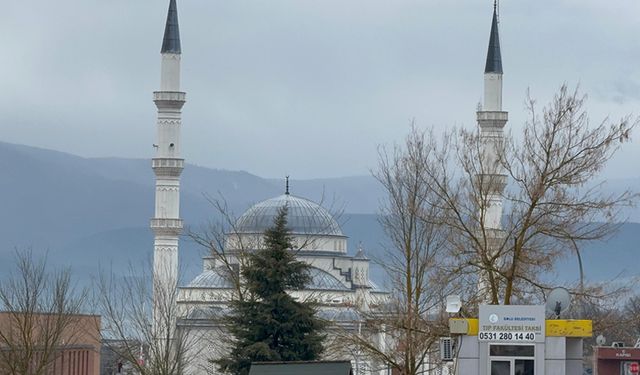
<point>209,341</point>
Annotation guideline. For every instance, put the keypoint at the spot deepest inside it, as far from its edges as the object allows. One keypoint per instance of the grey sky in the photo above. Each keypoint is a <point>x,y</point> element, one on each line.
<point>301,87</point>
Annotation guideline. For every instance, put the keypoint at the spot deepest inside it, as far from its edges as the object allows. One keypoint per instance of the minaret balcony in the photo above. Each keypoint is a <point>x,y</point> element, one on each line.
<point>493,238</point>
<point>169,167</point>
<point>492,120</point>
<point>492,183</point>
<point>175,96</point>
<point>169,99</point>
<point>493,116</point>
<point>166,226</point>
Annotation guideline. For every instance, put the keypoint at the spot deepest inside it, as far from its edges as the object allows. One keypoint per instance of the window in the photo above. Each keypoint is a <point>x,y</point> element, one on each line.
<point>500,367</point>
<point>512,350</point>
<point>523,367</point>
<point>512,359</point>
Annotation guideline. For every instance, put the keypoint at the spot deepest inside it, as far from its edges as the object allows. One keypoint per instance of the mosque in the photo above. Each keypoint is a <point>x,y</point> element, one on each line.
<point>341,285</point>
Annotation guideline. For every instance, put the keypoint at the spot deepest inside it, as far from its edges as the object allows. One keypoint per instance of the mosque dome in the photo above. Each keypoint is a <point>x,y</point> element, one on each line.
<point>323,280</point>
<point>217,278</point>
<point>304,217</point>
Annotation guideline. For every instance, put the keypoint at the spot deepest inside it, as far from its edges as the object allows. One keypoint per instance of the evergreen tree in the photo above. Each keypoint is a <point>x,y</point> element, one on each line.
<point>269,325</point>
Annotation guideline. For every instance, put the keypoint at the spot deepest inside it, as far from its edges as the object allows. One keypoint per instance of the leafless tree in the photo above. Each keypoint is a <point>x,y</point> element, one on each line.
<point>632,311</point>
<point>550,201</point>
<point>440,192</point>
<point>126,303</point>
<point>404,333</point>
<point>611,317</point>
<point>40,314</point>
<point>213,238</point>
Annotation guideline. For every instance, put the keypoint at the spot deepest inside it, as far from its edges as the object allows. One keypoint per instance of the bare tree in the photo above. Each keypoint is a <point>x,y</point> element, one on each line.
<point>214,240</point>
<point>438,212</point>
<point>404,333</point>
<point>611,318</point>
<point>632,311</point>
<point>550,201</point>
<point>126,303</point>
<point>40,314</point>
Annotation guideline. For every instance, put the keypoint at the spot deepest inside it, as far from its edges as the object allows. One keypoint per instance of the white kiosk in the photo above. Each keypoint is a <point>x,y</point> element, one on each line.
<point>518,340</point>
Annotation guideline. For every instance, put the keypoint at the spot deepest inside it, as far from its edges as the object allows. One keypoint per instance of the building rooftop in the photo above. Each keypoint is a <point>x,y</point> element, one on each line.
<point>301,368</point>
<point>303,217</point>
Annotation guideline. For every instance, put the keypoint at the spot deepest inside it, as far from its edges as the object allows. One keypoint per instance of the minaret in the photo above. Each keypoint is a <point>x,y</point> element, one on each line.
<point>167,166</point>
<point>491,122</point>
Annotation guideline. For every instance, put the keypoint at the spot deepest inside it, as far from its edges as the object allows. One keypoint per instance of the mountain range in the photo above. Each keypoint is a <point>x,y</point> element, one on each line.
<point>90,212</point>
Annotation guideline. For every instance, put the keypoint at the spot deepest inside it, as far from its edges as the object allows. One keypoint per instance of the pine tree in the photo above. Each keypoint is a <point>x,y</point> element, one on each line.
<point>269,324</point>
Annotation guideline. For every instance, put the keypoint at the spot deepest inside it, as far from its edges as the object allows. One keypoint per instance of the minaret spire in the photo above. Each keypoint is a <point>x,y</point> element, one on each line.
<point>494,57</point>
<point>493,68</point>
<point>171,40</point>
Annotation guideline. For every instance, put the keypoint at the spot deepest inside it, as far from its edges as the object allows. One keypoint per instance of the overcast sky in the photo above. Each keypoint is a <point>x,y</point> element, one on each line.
<point>302,87</point>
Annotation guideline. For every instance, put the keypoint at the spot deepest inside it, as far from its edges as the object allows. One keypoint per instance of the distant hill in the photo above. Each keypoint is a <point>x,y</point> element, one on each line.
<point>90,211</point>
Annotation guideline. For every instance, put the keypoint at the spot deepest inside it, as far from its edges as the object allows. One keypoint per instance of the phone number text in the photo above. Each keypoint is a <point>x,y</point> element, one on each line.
<point>506,336</point>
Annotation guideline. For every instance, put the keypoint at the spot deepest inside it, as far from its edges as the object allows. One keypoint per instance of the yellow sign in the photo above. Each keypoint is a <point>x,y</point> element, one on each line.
<point>569,328</point>
<point>554,328</point>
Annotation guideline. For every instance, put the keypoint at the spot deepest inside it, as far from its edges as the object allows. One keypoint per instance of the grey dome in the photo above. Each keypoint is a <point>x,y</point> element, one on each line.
<point>218,278</point>
<point>322,280</point>
<point>303,217</point>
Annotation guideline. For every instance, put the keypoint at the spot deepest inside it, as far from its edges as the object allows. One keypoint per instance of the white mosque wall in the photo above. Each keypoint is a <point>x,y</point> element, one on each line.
<point>214,342</point>
<point>210,342</point>
<point>215,339</point>
<point>188,295</point>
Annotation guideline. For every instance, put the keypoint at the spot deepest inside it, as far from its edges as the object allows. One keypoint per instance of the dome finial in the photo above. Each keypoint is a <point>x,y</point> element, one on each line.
<point>286,191</point>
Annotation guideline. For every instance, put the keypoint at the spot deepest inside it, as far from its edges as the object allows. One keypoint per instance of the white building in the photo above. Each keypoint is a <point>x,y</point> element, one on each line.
<point>340,283</point>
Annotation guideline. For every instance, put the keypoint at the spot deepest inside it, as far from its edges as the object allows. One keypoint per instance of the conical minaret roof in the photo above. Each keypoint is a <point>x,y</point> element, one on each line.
<point>171,41</point>
<point>494,58</point>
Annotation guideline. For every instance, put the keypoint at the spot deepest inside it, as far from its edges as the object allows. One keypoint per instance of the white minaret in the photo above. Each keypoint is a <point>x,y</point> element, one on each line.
<point>491,122</point>
<point>167,166</point>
